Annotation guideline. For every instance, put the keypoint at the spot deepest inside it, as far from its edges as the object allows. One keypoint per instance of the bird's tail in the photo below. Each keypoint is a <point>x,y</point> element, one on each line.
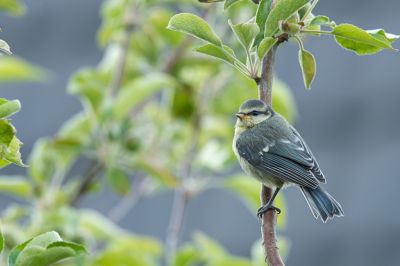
<point>321,203</point>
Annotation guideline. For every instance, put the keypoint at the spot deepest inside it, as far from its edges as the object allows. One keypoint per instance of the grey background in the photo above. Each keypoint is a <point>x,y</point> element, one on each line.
<point>350,119</point>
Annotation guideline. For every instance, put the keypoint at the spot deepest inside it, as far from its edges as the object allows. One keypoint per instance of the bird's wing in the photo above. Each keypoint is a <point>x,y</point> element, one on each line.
<point>259,151</point>
<point>300,152</point>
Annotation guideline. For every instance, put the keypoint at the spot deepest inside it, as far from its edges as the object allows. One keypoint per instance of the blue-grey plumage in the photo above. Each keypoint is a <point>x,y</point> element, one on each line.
<point>273,152</point>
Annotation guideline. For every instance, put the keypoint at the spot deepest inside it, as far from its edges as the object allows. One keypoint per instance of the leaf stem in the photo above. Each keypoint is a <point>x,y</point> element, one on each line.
<point>309,11</point>
<point>300,43</point>
<point>316,31</point>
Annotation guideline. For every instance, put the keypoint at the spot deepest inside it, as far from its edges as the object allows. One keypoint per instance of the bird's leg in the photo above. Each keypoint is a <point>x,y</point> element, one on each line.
<point>268,206</point>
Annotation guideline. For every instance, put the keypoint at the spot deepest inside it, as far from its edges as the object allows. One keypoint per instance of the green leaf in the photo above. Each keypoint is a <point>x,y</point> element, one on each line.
<point>15,155</point>
<point>77,129</point>
<point>8,108</point>
<point>91,85</point>
<point>16,251</point>
<point>355,39</point>
<point>160,18</point>
<point>7,132</point>
<point>265,45</point>
<point>13,7</point>
<point>283,10</point>
<point>245,33</point>
<point>307,63</point>
<point>161,174</point>
<point>217,52</point>
<point>193,25</point>
<point>322,21</point>
<point>4,47</point>
<point>229,3</point>
<point>16,69</point>
<point>44,250</point>
<point>187,255</point>
<point>139,89</point>
<point>382,35</point>
<point>43,160</point>
<point>117,180</point>
<point>264,7</point>
<point>16,185</point>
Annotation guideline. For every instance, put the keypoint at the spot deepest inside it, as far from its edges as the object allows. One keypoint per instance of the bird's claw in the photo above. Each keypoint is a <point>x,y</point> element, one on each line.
<point>265,208</point>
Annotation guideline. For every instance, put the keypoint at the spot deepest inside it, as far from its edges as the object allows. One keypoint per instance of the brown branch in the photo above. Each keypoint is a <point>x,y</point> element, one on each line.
<point>93,170</point>
<point>268,227</point>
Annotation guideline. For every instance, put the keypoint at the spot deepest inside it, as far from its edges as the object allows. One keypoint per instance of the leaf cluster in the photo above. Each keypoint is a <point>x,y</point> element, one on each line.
<point>274,20</point>
<point>169,105</point>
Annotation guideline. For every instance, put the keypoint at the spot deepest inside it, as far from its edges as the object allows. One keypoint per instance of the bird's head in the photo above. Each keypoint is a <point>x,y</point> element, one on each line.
<point>252,112</point>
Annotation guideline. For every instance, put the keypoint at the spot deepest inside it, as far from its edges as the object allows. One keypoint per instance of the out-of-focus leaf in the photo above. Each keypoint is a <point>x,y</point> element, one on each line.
<point>262,14</point>
<point>283,100</point>
<point>8,108</point>
<point>217,52</point>
<point>308,66</point>
<point>208,248</point>
<point>193,25</point>
<point>137,90</point>
<point>16,185</point>
<point>162,175</point>
<point>355,39</point>
<point>43,160</point>
<point>229,3</point>
<point>249,191</point>
<point>117,180</point>
<point>100,226</point>
<point>13,7</point>
<point>245,33</point>
<point>90,85</point>
<point>257,252</point>
<point>187,255</point>
<point>16,69</point>
<point>44,250</point>
<point>4,46</point>
<point>212,155</point>
<point>77,129</point>
<point>130,249</point>
<point>183,103</point>
<point>302,11</point>
<point>160,19</point>
<point>265,45</point>
<point>283,10</point>
<point>243,89</point>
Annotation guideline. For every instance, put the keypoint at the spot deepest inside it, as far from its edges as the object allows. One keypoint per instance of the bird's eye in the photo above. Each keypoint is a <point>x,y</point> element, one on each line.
<point>254,113</point>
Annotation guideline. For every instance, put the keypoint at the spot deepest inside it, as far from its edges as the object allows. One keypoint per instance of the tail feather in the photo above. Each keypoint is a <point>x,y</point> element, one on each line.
<point>321,203</point>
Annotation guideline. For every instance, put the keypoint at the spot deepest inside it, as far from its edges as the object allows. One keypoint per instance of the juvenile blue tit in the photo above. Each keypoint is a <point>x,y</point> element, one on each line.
<point>273,152</point>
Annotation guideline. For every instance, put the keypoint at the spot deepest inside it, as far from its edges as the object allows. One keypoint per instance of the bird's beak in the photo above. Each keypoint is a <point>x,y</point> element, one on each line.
<point>242,116</point>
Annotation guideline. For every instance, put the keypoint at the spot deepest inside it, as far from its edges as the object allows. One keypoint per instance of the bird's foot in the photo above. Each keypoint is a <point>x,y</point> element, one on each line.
<point>265,208</point>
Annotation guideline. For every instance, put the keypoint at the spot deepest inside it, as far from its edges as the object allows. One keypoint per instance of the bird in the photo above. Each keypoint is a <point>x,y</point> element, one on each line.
<point>271,151</point>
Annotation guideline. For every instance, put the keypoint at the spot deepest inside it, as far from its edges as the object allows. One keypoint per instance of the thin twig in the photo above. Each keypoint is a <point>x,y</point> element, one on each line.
<point>119,73</point>
<point>127,203</point>
<point>93,170</point>
<point>268,227</point>
<point>181,198</point>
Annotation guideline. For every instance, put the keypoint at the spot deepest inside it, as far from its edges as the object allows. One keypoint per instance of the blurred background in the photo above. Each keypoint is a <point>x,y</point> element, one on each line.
<point>349,119</point>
